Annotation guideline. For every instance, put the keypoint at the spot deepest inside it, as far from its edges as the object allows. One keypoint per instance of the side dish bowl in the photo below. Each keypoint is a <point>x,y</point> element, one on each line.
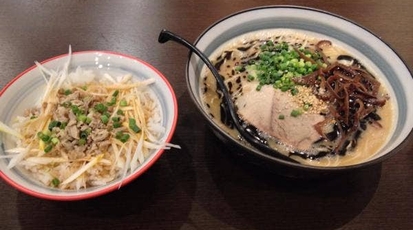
<point>379,56</point>
<point>26,89</point>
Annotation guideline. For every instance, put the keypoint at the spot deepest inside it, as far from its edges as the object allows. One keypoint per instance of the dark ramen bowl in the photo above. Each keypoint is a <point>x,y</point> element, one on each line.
<point>369,48</point>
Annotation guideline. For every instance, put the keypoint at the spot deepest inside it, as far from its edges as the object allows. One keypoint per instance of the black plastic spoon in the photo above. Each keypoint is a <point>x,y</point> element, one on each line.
<point>228,105</point>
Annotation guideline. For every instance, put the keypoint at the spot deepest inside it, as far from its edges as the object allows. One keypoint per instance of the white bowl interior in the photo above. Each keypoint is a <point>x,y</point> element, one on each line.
<point>26,89</point>
<point>367,47</point>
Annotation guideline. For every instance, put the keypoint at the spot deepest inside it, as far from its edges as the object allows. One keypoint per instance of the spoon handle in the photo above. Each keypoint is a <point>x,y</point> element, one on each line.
<point>166,35</point>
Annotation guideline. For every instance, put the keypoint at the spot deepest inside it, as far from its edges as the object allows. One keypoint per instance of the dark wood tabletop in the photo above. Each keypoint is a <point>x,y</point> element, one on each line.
<point>200,186</point>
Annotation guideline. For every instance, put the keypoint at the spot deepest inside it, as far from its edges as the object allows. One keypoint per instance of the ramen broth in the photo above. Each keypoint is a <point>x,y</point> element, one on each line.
<point>243,86</point>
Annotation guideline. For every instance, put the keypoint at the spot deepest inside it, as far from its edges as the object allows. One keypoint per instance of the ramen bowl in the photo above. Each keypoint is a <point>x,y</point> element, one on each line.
<point>27,88</point>
<point>369,49</point>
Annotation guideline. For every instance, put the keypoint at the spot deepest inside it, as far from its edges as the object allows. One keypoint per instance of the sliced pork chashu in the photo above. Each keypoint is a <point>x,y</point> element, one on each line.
<point>269,110</point>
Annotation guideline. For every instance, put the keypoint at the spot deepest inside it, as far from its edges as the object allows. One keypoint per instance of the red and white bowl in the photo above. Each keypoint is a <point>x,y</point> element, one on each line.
<point>26,89</point>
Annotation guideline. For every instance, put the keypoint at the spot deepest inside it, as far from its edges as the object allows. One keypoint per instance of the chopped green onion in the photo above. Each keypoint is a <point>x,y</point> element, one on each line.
<point>83,134</point>
<point>43,137</point>
<point>82,141</point>
<point>277,65</point>
<point>115,119</point>
<point>294,91</point>
<point>47,132</point>
<point>67,92</point>
<point>116,93</point>
<point>117,125</point>
<point>281,117</point>
<point>307,106</point>
<point>133,126</point>
<point>123,137</point>
<point>119,135</point>
<point>88,131</point>
<point>104,119</point>
<point>120,112</point>
<point>76,110</point>
<point>123,103</point>
<point>66,104</point>
<point>88,120</point>
<point>239,68</point>
<point>48,148</point>
<point>63,125</point>
<point>55,140</point>
<point>296,113</point>
<point>82,118</point>
<point>53,124</point>
<point>285,88</point>
<point>55,182</point>
<point>112,101</point>
<point>101,108</point>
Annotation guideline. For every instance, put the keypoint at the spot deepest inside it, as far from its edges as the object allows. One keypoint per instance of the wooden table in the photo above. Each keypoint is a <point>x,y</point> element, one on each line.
<point>200,186</point>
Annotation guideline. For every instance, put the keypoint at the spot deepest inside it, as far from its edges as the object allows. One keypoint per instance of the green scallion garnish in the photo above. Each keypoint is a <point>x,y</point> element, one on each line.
<point>120,112</point>
<point>296,113</point>
<point>82,118</point>
<point>55,182</point>
<point>133,126</point>
<point>101,108</point>
<point>44,137</point>
<point>55,140</point>
<point>53,124</point>
<point>278,64</point>
<point>123,137</point>
<point>67,92</point>
<point>104,118</point>
<point>117,124</point>
<point>48,148</point>
<point>123,103</point>
<point>82,141</point>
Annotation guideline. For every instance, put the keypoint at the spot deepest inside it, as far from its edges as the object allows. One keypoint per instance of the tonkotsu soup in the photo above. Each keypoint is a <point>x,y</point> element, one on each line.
<point>308,97</point>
